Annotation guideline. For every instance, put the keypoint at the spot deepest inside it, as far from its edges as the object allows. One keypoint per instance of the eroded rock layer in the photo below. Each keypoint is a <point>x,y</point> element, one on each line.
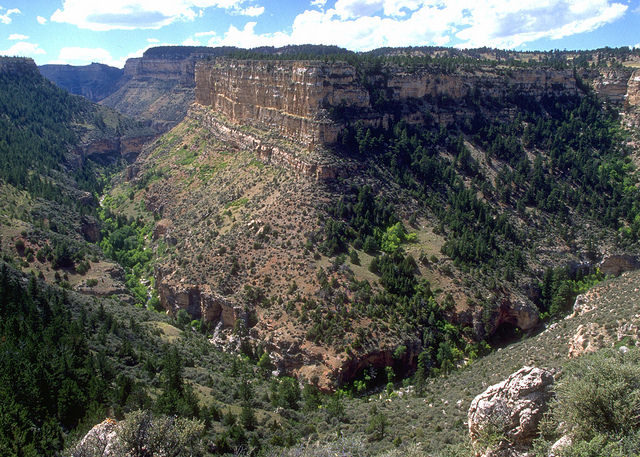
<point>310,102</point>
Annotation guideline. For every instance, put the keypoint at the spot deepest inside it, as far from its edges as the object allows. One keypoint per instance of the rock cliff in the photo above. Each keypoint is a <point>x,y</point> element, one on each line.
<point>310,102</point>
<point>159,86</point>
<point>289,97</point>
<point>17,65</point>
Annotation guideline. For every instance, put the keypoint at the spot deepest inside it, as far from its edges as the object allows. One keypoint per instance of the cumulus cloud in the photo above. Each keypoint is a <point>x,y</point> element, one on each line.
<point>77,55</point>
<point>507,24</point>
<point>41,20</point>
<point>141,14</point>
<point>18,36</point>
<point>191,42</point>
<point>5,14</point>
<point>369,24</point>
<point>252,11</point>
<point>23,49</point>
<point>153,40</point>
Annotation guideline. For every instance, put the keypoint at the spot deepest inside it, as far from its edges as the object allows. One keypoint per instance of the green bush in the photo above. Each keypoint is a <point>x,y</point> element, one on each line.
<point>600,393</point>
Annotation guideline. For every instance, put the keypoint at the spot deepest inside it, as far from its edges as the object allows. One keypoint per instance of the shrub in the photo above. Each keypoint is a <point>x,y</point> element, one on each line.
<point>183,318</point>
<point>600,394</point>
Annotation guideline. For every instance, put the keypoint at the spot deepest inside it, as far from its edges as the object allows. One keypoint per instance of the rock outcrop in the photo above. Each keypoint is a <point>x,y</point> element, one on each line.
<point>159,86</point>
<point>17,65</point>
<point>310,102</point>
<point>198,300</point>
<point>110,150</point>
<point>588,338</point>
<point>101,440</point>
<point>269,150</point>
<point>288,97</point>
<point>503,420</point>
<point>611,84</point>
<point>632,98</point>
<point>615,265</point>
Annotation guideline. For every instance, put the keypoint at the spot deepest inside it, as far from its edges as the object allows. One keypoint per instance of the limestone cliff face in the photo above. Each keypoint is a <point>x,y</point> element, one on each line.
<point>159,86</point>
<point>181,71</point>
<point>633,90</point>
<point>310,102</point>
<point>290,97</point>
<point>485,83</point>
<point>109,150</point>
<point>198,300</point>
<point>611,84</point>
<point>277,153</point>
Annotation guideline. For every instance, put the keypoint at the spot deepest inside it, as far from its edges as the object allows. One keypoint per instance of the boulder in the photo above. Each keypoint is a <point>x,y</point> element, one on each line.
<point>503,420</point>
<point>101,440</point>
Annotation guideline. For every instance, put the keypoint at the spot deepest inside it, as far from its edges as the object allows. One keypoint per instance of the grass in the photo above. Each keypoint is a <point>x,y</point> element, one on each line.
<point>237,203</point>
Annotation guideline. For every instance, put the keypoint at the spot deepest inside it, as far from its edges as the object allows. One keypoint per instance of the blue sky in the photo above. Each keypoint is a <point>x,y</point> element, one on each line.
<point>109,31</point>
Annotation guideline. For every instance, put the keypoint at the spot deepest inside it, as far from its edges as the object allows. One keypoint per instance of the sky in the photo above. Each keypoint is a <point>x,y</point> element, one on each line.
<point>79,32</point>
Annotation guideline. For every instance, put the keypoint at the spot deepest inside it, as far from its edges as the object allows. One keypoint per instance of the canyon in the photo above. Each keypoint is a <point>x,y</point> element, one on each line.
<point>291,115</point>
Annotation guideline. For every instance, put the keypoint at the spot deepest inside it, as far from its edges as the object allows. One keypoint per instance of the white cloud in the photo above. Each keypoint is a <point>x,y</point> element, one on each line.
<point>76,55</point>
<point>41,20</point>
<point>18,36</point>
<point>252,11</point>
<point>506,24</point>
<point>23,49</point>
<point>318,3</point>
<point>247,38</point>
<point>369,24</point>
<point>142,14</point>
<point>191,42</point>
<point>153,40</point>
<point>212,33</point>
<point>5,16</point>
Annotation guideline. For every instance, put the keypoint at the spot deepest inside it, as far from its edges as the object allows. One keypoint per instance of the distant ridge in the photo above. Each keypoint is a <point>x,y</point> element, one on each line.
<point>94,81</point>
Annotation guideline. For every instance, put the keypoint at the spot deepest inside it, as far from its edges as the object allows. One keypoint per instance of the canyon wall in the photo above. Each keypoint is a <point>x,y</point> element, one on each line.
<point>289,97</point>
<point>310,102</point>
<point>159,86</point>
<point>95,81</point>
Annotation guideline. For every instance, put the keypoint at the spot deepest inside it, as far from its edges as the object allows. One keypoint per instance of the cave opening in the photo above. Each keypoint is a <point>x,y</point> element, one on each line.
<point>505,334</point>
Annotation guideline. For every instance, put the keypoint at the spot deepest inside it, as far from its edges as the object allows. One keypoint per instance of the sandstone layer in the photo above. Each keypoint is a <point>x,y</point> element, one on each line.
<point>289,97</point>
<point>310,102</point>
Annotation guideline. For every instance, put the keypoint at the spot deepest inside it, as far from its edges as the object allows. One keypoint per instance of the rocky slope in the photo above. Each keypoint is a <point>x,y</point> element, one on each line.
<point>241,189</point>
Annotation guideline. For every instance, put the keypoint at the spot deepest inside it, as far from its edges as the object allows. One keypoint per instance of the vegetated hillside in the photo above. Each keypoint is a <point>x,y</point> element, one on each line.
<point>462,215</point>
<point>246,232</point>
<point>56,150</point>
<point>68,361</point>
<point>433,413</point>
